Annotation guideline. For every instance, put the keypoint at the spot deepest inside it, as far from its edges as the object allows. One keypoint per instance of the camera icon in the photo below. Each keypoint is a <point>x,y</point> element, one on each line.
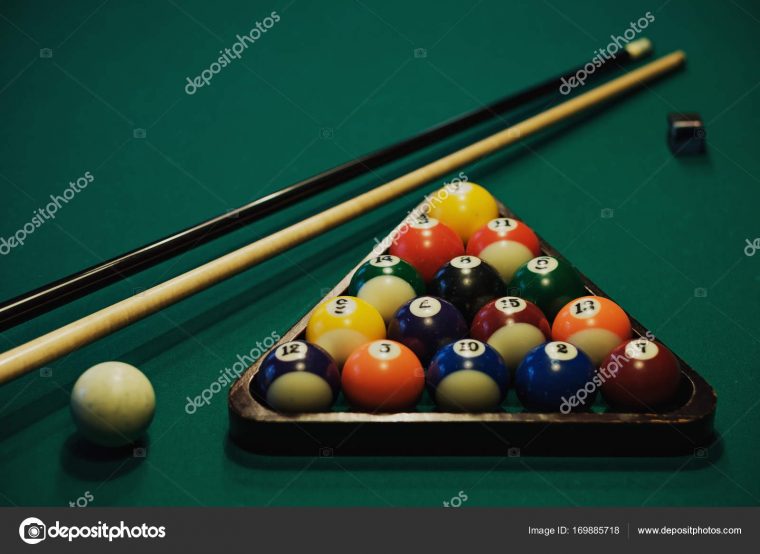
<point>32,530</point>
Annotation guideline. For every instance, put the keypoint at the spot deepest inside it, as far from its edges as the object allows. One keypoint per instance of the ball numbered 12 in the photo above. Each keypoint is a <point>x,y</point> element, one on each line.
<point>467,376</point>
<point>297,377</point>
<point>556,377</point>
<point>342,324</point>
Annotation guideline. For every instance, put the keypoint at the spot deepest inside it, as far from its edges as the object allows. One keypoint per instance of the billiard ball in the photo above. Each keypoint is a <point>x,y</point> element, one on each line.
<point>426,324</point>
<point>640,375</point>
<point>512,326</point>
<point>505,244</point>
<point>467,376</point>
<point>383,376</point>
<point>548,282</point>
<point>298,377</point>
<point>465,207</point>
<point>342,324</point>
<point>556,377</point>
<point>112,403</point>
<point>386,282</point>
<point>468,283</point>
<point>594,324</point>
<point>426,244</point>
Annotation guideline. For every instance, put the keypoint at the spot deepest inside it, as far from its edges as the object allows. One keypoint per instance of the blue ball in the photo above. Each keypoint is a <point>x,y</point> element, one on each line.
<point>556,377</point>
<point>426,324</point>
<point>467,376</point>
<point>297,376</point>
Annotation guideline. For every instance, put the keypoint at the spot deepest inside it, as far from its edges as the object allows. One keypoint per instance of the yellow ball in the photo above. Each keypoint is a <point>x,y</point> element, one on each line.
<point>342,324</point>
<point>465,207</point>
<point>113,403</point>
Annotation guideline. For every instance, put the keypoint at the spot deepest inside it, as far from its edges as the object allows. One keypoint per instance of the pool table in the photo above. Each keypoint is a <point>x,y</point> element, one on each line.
<point>101,91</point>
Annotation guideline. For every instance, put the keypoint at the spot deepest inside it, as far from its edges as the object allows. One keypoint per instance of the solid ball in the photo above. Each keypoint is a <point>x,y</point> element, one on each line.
<point>640,375</point>
<point>426,244</point>
<point>468,283</point>
<point>548,282</point>
<point>383,376</point>
<point>298,377</point>
<point>512,326</point>
<point>342,324</point>
<point>556,377</point>
<point>386,282</point>
<point>467,376</point>
<point>594,324</point>
<point>505,244</point>
<point>465,207</point>
<point>113,403</point>
<point>426,324</point>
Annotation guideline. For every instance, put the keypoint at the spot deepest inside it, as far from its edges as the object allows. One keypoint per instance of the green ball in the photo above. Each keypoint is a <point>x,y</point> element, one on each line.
<point>387,282</point>
<point>548,282</point>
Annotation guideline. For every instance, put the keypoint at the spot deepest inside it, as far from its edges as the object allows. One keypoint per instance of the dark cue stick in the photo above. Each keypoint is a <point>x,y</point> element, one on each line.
<point>60,292</point>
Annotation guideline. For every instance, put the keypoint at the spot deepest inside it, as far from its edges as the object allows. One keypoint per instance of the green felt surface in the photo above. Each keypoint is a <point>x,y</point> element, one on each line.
<point>329,81</point>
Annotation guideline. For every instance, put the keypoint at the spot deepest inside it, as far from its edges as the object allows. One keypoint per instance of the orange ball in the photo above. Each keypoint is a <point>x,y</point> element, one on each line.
<point>594,324</point>
<point>383,376</point>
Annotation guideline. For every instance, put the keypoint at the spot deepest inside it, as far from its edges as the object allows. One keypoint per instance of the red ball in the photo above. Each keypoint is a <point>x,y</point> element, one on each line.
<point>427,244</point>
<point>505,244</point>
<point>640,375</point>
<point>511,325</point>
<point>383,376</point>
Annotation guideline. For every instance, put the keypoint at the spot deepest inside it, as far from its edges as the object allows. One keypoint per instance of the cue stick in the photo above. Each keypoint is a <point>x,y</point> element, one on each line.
<point>67,289</point>
<point>33,354</point>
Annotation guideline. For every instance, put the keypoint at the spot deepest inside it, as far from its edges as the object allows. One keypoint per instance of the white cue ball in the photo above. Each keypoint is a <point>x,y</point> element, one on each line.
<point>113,403</point>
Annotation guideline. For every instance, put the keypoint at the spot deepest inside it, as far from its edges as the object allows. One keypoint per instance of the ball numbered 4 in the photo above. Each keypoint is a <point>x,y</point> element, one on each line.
<point>386,282</point>
<point>465,207</point>
<point>594,324</point>
<point>342,324</point>
<point>297,377</point>
<point>467,376</point>
<point>556,377</point>
<point>640,375</point>
<point>505,244</point>
<point>383,376</point>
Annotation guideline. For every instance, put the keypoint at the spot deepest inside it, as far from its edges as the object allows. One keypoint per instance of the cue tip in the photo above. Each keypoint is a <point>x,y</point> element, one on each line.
<point>639,48</point>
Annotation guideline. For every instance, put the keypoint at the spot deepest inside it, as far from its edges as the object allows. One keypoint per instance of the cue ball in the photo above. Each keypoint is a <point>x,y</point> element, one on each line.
<point>465,207</point>
<point>556,377</point>
<point>426,244</point>
<point>383,376</point>
<point>426,324</point>
<point>112,403</point>
<point>640,375</point>
<point>468,283</point>
<point>342,324</point>
<point>505,244</point>
<point>467,376</point>
<point>512,326</point>
<point>548,282</point>
<point>594,324</point>
<point>298,377</point>
<point>386,282</point>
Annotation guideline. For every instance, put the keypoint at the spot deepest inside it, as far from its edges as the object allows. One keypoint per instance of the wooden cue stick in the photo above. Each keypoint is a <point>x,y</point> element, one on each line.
<point>35,353</point>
